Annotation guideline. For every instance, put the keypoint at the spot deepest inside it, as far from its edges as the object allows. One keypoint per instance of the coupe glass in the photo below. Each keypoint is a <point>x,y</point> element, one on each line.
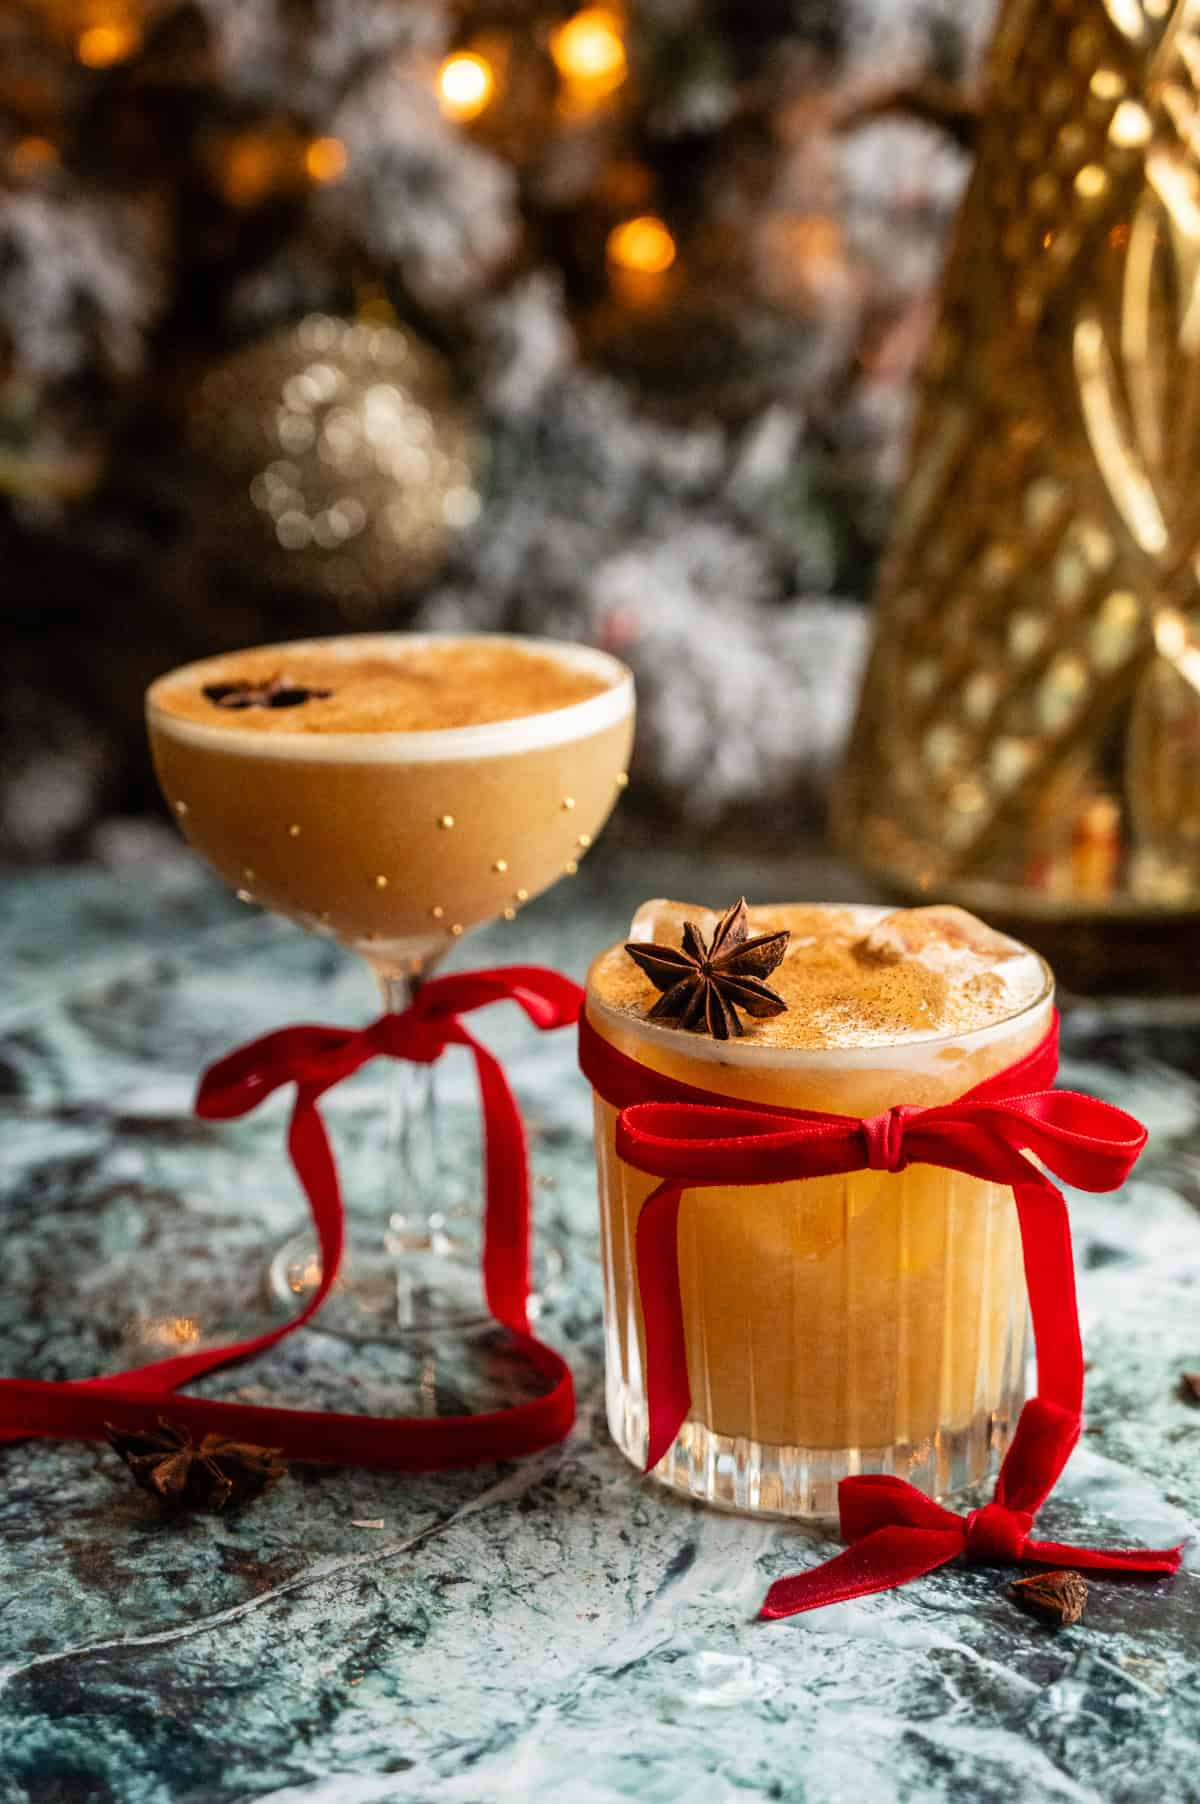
<point>397,844</point>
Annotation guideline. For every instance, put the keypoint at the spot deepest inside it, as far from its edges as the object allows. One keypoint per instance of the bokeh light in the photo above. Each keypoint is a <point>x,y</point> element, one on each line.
<point>325,159</point>
<point>100,46</point>
<point>643,244</point>
<point>465,85</point>
<point>589,49</point>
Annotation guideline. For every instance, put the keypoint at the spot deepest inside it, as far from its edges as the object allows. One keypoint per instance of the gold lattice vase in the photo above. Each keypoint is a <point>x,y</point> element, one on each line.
<point>1028,738</point>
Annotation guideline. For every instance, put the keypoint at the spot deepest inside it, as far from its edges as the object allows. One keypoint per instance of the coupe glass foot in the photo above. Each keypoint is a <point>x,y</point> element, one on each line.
<point>398,1284</point>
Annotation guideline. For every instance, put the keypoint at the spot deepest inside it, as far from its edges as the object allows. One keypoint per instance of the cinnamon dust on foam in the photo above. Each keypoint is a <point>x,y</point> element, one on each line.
<point>856,977</point>
<point>418,689</point>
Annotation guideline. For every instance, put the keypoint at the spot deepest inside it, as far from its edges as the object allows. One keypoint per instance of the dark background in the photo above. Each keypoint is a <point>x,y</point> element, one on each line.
<point>680,443</point>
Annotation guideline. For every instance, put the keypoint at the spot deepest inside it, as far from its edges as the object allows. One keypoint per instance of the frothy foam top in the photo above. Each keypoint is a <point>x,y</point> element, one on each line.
<point>851,977</point>
<point>394,685</point>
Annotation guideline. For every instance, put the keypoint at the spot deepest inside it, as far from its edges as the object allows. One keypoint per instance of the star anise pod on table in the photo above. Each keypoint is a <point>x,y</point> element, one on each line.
<point>705,983</point>
<point>1053,1597</point>
<point>274,693</point>
<point>216,1475</point>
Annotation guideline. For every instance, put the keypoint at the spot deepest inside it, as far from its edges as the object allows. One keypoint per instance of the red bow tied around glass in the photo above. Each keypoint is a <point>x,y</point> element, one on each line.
<point>314,1059</point>
<point>692,1138</point>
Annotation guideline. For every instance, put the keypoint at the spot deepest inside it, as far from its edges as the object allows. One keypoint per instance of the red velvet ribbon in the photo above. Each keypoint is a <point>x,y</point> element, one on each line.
<point>314,1059</point>
<point>693,1138</point>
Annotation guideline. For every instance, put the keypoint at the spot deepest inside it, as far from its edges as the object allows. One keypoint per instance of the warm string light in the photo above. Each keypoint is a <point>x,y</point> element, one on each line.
<point>252,165</point>
<point>31,157</point>
<point>465,85</point>
<point>325,160</point>
<point>639,252</point>
<point>643,246</point>
<point>104,44</point>
<point>589,53</point>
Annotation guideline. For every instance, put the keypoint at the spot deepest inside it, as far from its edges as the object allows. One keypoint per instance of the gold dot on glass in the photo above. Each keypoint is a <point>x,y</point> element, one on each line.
<point>501,865</point>
<point>568,803</point>
<point>181,809</point>
<point>623,780</point>
<point>446,821</point>
<point>437,911</point>
<point>570,868</point>
<point>522,895</point>
<point>248,873</point>
<point>584,840</point>
<point>294,830</point>
<point>381,881</point>
<point>457,930</point>
<point>510,914</point>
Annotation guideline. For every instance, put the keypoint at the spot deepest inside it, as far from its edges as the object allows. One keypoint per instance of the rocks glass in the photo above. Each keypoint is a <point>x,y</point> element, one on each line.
<point>870,1322</point>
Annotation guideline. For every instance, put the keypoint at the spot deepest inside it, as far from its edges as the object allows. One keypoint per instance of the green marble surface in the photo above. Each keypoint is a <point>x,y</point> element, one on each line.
<point>556,1629</point>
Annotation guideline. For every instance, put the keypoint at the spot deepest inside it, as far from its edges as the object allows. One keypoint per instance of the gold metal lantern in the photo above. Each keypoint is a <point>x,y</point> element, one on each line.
<point>1028,737</point>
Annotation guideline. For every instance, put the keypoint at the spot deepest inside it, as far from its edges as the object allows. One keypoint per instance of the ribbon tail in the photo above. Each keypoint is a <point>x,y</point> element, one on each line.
<point>312,1157</point>
<point>398,1443</point>
<point>505,1193</point>
<point>668,1393</point>
<point>1050,1281</point>
<point>879,1562</point>
<point>1148,1560</point>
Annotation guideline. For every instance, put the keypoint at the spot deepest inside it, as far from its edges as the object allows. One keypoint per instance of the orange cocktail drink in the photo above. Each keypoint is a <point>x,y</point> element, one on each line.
<point>394,791</point>
<point>873,1321</point>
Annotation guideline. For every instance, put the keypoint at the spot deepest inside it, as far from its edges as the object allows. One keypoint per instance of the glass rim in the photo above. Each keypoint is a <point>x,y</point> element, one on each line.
<point>433,745</point>
<point>749,1054</point>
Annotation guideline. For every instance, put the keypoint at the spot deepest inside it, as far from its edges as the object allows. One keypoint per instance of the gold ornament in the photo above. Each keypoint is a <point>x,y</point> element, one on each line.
<point>1028,738</point>
<point>355,459</point>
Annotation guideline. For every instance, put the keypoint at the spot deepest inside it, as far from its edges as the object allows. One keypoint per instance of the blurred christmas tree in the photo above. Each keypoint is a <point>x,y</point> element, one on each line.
<point>319,314</point>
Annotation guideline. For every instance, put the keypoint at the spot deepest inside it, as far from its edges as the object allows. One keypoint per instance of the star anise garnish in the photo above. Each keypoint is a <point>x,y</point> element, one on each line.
<point>216,1475</point>
<point>274,693</point>
<point>704,984</point>
<point>1054,1597</point>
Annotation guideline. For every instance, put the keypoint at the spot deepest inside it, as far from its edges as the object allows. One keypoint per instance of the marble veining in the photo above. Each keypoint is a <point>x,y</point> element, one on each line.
<point>555,1629</point>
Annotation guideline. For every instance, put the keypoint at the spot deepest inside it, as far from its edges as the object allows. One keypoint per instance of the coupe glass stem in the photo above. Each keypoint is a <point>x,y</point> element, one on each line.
<point>409,1181</point>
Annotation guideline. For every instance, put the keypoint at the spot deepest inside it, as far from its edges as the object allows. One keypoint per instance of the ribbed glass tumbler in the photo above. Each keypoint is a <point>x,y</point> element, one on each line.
<point>873,1322</point>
